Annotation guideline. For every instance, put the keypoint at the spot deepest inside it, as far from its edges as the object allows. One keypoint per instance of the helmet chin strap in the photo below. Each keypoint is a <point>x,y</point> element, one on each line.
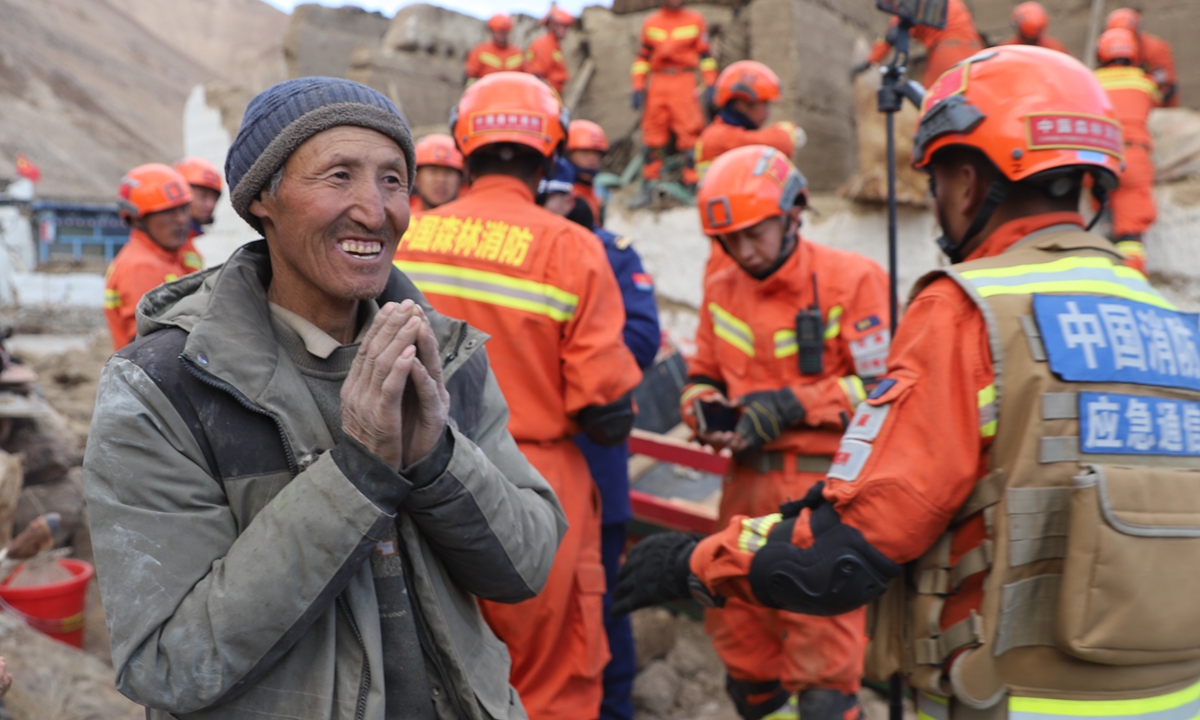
<point>1101,196</point>
<point>996,193</point>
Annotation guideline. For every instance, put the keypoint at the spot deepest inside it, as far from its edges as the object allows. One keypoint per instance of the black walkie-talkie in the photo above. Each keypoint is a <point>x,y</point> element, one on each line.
<point>810,336</point>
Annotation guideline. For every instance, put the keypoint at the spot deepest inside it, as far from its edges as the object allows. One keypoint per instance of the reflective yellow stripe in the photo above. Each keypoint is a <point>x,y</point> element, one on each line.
<point>1179,705</point>
<point>987,411</point>
<point>685,32</point>
<point>513,61</point>
<point>692,391</point>
<point>932,707</point>
<point>641,67</point>
<point>170,277</point>
<point>1131,248</point>
<point>1098,276</point>
<point>656,33</point>
<point>1126,78</point>
<point>707,64</point>
<point>112,299</point>
<point>731,330</point>
<point>755,530</point>
<point>785,343</point>
<point>492,288</point>
<point>833,323</point>
<point>852,385</point>
<point>490,60</point>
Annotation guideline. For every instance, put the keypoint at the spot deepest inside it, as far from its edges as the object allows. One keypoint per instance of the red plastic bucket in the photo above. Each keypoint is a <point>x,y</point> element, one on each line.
<point>55,609</point>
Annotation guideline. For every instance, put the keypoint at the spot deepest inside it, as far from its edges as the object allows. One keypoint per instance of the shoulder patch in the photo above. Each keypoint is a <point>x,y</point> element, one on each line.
<point>867,323</point>
<point>622,242</point>
<point>642,281</point>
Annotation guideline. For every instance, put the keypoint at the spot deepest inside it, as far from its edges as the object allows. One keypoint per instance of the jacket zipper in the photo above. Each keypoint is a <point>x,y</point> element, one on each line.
<point>426,646</point>
<point>209,379</point>
<point>462,335</point>
<point>364,686</point>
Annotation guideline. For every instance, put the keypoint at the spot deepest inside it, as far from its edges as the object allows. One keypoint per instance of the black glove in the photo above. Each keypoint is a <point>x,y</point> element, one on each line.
<point>766,415</point>
<point>608,425</point>
<point>638,99</point>
<point>656,570</point>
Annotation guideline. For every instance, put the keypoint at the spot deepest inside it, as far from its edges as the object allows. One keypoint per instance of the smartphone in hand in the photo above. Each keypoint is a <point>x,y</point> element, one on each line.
<point>716,416</point>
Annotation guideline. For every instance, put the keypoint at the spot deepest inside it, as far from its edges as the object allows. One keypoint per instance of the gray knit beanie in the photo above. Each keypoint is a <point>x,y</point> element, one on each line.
<point>279,119</point>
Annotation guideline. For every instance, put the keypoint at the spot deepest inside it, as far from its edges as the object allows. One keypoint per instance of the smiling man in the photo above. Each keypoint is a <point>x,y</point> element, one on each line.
<point>300,476</point>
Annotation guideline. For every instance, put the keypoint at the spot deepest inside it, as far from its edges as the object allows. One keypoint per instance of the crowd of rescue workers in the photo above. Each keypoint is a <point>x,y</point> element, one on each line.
<point>375,465</point>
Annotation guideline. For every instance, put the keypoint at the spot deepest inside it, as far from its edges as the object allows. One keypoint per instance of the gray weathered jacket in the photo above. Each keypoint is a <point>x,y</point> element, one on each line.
<point>246,594</point>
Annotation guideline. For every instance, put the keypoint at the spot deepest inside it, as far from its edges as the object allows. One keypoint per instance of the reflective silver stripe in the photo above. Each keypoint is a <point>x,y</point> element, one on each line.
<point>1179,705</point>
<point>932,708</point>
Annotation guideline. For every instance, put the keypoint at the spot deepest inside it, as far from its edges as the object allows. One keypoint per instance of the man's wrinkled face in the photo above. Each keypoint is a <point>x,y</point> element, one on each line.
<point>204,202</point>
<point>339,212</point>
<point>437,184</point>
<point>168,228</point>
<point>500,38</point>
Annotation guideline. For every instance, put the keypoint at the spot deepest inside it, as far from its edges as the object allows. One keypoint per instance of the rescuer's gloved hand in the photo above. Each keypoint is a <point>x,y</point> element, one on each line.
<point>766,415</point>
<point>656,570</point>
<point>608,425</point>
<point>638,99</point>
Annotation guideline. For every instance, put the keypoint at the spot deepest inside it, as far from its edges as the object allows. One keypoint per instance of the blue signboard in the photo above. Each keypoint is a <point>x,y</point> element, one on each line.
<point>1115,424</point>
<point>1092,338</point>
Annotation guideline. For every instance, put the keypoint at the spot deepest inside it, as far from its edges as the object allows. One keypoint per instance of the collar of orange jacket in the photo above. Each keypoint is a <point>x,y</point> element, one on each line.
<point>139,238</point>
<point>502,184</point>
<point>1012,231</point>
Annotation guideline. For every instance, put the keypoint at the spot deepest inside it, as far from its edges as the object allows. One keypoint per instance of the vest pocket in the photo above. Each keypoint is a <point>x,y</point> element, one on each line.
<point>1129,584</point>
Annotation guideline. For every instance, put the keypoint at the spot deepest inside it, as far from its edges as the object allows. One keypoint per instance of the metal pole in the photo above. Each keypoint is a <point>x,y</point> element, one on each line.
<point>1089,52</point>
<point>893,292</point>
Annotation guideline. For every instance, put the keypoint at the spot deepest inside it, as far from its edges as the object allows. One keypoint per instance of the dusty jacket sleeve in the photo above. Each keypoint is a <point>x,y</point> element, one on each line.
<point>493,520</point>
<point>199,608</point>
<point>597,367</point>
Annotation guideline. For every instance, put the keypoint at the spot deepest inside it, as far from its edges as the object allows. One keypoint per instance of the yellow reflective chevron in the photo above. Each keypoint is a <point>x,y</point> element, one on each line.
<point>987,411</point>
<point>493,288</point>
<point>785,343</point>
<point>852,385</point>
<point>513,62</point>
<point>641,67</point>
<point>112,299</point>
<point>656,34</point>
<point>707,64</point>
<point>1127,78</point>
<point>755,530</point>
<point>691,391</point>
<point>685,32</point>
<point>490,60</point>
<point>1094,275</point>
<point>833,323</point>
<point>1179,705</point>
<point>731,330</point>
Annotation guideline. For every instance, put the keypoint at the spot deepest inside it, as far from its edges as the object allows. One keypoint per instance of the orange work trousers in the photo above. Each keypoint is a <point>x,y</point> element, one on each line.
<point>760,644</point>
<point>557,640</point>
<point>1132,203</point>
<point>671,107</point>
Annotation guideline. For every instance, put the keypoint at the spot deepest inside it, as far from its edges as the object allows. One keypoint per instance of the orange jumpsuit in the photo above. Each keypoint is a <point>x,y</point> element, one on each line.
<point>721,137</point>
<point>674,45</point>
<point>1046,41</point>
<point>746,341</point>
<point>488,57</point>
<point>1133,96</point>
<point>139,267</point>
<point>544,58</point>
<point>930,449</point>
<point>1158,60</point>
<point>946,48</point>
<point>191,258</point>
<point>541,286</point>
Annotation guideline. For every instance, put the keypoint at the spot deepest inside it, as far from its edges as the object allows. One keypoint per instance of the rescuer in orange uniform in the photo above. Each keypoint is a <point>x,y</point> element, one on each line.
<point>439,173</point>
<point>586,146</point>
<point>790,334</point>
<point>744,93</point>
<point>1029,20</point>
<point>155,201</point>
<point>496,54</point>
<point>674,46</point>
<point>205,179</point>
<point>541,287</point>
<point>1155,55</point>
<point>972,453</point>
<point>1133,95</point>
<point>945,48</point>
<point>544,56</point>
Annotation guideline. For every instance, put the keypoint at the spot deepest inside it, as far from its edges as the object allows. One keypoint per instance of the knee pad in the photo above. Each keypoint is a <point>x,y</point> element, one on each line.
<point>840,572</point>
<point>826,704</point>
<point>756,700</point>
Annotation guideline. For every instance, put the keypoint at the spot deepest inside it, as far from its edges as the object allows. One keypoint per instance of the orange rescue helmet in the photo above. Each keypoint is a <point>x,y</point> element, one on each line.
<point>198,171</point>
<point>747,80</point>
<point>1064,120</point>
<point>1127,18</point>
<point>586,135</point>
<point>747,185</point>
<point>558,15</point>
<point>509,107</point>
<point>1117,44</point>
<point>438,149</point>
<point>152,188</point>
<point>499,23</point>
<point>1030,20</point>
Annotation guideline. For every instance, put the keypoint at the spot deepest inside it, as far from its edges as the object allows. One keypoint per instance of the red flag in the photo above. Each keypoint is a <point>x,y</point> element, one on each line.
<point>26,168</point>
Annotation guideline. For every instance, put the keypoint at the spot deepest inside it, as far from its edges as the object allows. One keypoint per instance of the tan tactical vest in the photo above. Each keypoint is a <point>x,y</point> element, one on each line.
<point>1092,503</point>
